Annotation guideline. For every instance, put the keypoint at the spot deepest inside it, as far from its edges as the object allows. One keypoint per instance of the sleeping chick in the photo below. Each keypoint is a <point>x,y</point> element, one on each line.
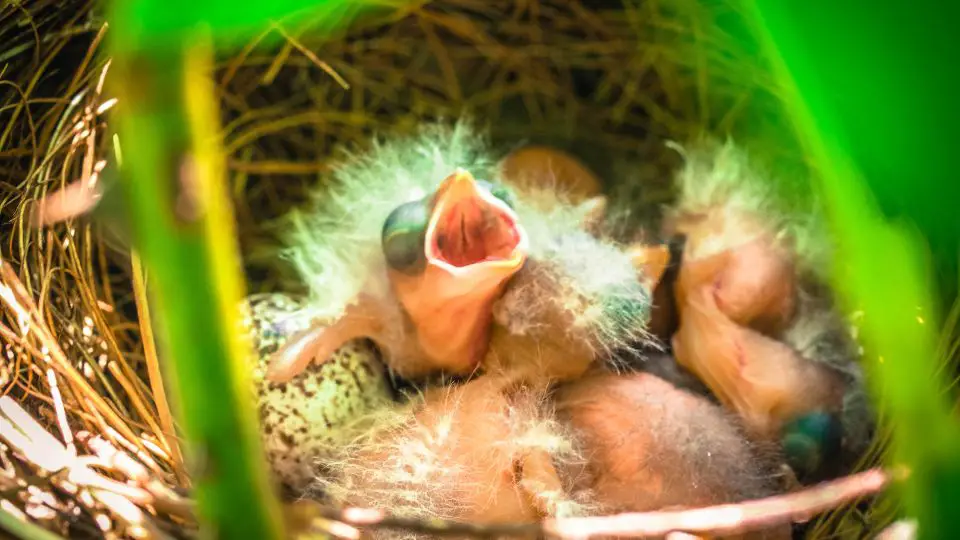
<point>486,451</point>
<point>651,446</point>
<point>495,451</point>
<point>757,323</point>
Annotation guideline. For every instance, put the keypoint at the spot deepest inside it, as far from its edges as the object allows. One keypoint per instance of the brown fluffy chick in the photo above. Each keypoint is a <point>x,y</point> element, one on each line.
<point>486,451</point>
<point>651,446</point>
<point>757,323</point>
<point>495,451</point>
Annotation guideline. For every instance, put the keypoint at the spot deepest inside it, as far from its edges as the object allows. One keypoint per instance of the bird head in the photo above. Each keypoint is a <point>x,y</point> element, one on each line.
<point>811,442</point>
<point>449,256</point>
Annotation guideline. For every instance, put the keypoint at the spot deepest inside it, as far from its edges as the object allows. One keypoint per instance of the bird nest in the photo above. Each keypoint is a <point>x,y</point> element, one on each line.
<point>92,454</point>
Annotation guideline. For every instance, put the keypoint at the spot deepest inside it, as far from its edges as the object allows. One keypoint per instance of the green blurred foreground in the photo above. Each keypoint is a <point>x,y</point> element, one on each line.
<point>886,119</point>
<point>184,230</point>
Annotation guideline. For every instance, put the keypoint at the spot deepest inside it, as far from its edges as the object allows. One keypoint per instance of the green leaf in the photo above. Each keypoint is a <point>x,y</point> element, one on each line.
<point>183,227</point>
<point>882,269</point>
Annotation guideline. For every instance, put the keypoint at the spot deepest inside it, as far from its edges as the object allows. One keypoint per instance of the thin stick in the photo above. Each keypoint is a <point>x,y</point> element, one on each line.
<point>61,411</point>
<point>729,518</point>
<point>169,432</point>
<point>715,520</point>
<point>376,519</point>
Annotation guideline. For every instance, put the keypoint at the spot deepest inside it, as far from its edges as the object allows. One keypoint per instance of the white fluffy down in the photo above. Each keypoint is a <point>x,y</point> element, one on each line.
<point>722,177</point>
<point>335,245</point>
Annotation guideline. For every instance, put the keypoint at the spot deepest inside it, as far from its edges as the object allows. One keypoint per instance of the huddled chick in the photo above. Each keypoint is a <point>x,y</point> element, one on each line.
<point>758,324</point>
<point>455,261</point>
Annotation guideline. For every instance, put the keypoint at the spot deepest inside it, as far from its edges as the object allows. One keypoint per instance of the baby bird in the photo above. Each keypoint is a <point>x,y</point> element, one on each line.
<point>757,323</point>
<point>453,262</point>
<point>537,167</point>
<point>486,451</point>
<point>495,451</point>
<point>652,446</point>
<point>391,256</point>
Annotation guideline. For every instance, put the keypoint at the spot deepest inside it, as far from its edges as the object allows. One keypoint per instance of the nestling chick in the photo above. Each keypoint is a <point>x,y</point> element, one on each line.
<point>494,451</point>
<point>390,255</point>
<point>447,257</point>
<point>487,451</point>
<point>543,167</point>
<point>756,323</point>
<point>651,446</point>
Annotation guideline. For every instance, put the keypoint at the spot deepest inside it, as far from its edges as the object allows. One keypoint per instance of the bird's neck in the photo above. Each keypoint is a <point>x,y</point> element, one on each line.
<point>452,317</point>
<point>457,334</point>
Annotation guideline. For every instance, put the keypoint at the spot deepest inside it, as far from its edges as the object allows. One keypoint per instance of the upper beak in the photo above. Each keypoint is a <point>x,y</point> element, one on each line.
<point>470,227</point>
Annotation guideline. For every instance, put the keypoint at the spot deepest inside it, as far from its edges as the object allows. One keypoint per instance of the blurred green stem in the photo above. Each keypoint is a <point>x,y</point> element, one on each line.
<point>881,269</point>
<point>24,529</point>
<point>184,230</point>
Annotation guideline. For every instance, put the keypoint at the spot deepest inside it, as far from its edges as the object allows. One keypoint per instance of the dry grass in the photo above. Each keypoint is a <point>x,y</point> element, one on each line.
<point>94,449</point>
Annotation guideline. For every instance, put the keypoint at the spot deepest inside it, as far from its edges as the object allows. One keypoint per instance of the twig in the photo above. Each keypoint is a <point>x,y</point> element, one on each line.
<point>715,520</point>
<point>153,366</point>
<point>729,518</point>
<point>377,519</point>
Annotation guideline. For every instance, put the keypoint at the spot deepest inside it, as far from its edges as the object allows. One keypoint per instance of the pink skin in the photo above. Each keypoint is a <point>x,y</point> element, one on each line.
<point>473,246</point>
<point>725,302</point>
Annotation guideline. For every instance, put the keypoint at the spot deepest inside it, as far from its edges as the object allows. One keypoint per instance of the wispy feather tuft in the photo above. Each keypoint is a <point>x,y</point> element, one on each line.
<point>335,245</point>
<point>720,177</point>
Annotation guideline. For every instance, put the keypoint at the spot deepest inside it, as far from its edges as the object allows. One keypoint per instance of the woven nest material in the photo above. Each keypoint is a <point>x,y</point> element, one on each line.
<point>613,79</point>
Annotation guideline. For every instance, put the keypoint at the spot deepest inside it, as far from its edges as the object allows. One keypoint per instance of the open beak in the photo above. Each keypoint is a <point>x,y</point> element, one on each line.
<point>473,246</point>
<point>472,234</point>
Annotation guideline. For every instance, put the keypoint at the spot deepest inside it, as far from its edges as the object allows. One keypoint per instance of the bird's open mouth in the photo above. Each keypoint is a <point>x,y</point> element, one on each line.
<point>470,226</point>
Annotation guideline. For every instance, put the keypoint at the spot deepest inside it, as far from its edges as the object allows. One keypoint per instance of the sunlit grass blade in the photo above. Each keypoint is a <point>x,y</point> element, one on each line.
<point>184,230</point>
<point>23,529</point>
<point>884,273</point>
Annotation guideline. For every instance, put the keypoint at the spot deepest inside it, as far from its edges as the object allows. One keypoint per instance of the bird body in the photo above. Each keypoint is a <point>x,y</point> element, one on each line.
<point>483,451</point>
<point>652,446</point>
<point>447,255</point>
<point>757,323</point>
<point>511,284</point>
<point>493,450</point>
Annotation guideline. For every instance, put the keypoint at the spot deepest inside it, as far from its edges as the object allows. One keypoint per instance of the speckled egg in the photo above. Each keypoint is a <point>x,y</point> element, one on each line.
<point>309,416</point>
